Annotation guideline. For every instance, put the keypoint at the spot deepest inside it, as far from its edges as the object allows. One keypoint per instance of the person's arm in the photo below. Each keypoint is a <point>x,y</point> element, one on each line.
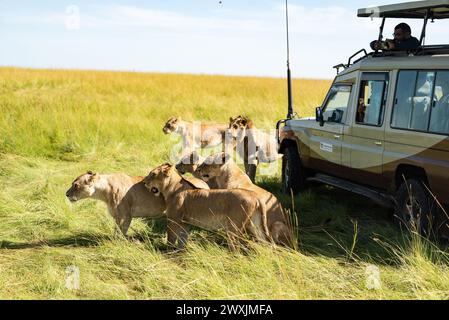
<point>410,44</point>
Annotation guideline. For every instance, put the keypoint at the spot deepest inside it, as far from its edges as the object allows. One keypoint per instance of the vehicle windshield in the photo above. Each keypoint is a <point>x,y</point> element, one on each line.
<point>337,103</point>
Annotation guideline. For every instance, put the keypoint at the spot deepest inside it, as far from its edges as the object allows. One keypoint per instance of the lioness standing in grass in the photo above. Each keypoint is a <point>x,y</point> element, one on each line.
<point>253,145</point>
<point>126,197</point>
<point>203,135</point>
<point>228,175</point>
<point>236,212</point>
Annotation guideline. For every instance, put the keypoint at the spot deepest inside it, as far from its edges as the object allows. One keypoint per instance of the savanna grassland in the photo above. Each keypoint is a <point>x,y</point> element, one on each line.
<point>55,125</point>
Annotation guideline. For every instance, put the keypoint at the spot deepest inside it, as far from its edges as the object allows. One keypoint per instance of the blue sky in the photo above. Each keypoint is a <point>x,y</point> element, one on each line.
<point>236,37</point>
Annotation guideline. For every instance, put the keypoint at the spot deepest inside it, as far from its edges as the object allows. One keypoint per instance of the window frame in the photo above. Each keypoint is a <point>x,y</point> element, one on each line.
<point>433,105</point>
<point>326,101</point>
<point>432,96</point>
<point>366,77</point>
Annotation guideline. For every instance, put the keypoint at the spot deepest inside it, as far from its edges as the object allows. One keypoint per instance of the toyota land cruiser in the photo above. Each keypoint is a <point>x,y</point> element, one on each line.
<point>383,129</point>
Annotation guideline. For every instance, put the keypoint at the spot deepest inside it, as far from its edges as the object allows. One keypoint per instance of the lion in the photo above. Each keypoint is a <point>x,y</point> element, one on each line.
<point>228,175</point>
<point>203,135</point>
<point>126,197</point>
<point>235,212</point>
<point>253,145</point>
<point>189,163</point>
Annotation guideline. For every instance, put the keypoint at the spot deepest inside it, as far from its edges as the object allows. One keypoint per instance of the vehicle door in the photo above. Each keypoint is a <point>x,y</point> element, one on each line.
<point>365,139</point>
<point>326,140</point>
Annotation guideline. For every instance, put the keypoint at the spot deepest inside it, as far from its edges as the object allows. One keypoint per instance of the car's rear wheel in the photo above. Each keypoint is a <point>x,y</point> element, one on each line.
<point>293,174</point>
<point>415,208</point>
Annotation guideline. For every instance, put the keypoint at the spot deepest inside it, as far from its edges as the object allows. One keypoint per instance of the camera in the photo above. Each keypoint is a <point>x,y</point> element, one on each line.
<point>385,45</point>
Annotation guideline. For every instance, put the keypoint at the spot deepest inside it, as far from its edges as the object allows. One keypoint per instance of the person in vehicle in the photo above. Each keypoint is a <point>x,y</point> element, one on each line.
<point>403,40</point>
<point>361,109</point>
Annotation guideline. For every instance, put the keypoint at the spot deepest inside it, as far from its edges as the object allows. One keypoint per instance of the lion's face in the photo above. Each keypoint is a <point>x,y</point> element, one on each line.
<point>158,179</point>
<point>237,126</point>
<point>171,126</point>
<point>211,167</point>
<point>189,163</point>
<point>83,187</point>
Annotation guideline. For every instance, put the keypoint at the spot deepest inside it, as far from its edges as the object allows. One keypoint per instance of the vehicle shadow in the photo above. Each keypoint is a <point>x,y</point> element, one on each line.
<point>339,224</point>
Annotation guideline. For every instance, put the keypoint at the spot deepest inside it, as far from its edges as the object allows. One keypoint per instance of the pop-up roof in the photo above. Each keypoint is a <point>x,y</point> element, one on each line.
<point>436,9</point>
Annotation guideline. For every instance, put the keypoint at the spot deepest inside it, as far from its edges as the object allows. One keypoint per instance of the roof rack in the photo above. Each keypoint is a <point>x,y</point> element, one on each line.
<point>421,51</point>
<point>350,62</point>
<point>432,50</point>
<point>435,9</point>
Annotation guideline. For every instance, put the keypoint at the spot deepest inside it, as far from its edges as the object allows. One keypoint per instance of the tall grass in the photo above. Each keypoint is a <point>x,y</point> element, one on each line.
<point>55,125</point>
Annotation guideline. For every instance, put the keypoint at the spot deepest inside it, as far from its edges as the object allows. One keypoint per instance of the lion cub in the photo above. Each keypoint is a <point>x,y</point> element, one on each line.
<point>228,175</point>
<point>234,211</point>
<point>126,197</point>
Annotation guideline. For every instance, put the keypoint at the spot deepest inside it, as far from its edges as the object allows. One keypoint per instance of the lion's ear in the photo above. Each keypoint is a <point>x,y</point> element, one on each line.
<point>167,168</point>
<point>92,176</point>
<point>231,119</point>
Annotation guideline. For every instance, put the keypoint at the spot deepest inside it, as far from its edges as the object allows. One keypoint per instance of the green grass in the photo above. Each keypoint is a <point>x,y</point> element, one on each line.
<point>55,125</point>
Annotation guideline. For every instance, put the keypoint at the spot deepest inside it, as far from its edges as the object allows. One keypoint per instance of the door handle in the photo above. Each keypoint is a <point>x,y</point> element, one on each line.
<point>336,136</point>
<point>378,143</point>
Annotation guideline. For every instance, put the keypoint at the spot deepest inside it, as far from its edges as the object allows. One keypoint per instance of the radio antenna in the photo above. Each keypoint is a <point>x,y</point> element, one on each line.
<point>289,74</point>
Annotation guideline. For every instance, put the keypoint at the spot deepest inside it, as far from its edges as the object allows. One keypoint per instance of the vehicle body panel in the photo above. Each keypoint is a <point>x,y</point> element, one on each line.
<point>371,155</point>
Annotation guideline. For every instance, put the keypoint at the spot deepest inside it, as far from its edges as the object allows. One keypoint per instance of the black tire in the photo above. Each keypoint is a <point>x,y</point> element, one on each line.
<point>293,174</point>
<point>415,208</point>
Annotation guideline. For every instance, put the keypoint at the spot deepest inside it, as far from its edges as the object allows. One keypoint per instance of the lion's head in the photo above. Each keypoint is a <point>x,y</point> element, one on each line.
<point>159,178</point>
<point>189,163</point>
<point>212,166</point>
<point>238,125</point>
<point>82,187</point>
<point>172,125</point>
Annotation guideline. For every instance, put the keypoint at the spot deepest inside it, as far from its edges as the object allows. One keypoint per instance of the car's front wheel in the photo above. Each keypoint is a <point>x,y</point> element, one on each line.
<point>415,208</point>
<point>293,175</point>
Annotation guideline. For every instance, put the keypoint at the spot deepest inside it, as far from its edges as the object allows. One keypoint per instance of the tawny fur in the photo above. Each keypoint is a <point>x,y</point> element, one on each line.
<point>253,145</point>
<point>228,175</point>
<point>196,135</point>
<point>236,211</point>
<point>189,164</point>
<point>126,197</point>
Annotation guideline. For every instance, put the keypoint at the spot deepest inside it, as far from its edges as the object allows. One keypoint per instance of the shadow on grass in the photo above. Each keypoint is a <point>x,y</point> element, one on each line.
<point>77,240</point>
<point>339,224</point>
<point>153,236</point>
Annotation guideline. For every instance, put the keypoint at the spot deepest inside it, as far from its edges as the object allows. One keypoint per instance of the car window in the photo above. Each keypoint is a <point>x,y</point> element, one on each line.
<point>439,120</point>
<point>371,102</point>
<point>413,101</point>
<point>337,104</point>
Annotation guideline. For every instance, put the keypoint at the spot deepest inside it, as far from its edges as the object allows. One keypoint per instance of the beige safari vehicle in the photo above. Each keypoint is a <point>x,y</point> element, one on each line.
<point>383,129</point>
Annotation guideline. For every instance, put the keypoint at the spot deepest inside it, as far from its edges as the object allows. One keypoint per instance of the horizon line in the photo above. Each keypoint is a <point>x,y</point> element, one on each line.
<point>159,72</point>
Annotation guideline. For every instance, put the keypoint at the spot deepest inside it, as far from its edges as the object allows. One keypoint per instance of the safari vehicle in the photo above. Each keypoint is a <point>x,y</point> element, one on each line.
<point>383,129</point>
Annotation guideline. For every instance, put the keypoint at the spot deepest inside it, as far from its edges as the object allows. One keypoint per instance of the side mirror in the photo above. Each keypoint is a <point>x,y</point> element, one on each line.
<point>319,116</point>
